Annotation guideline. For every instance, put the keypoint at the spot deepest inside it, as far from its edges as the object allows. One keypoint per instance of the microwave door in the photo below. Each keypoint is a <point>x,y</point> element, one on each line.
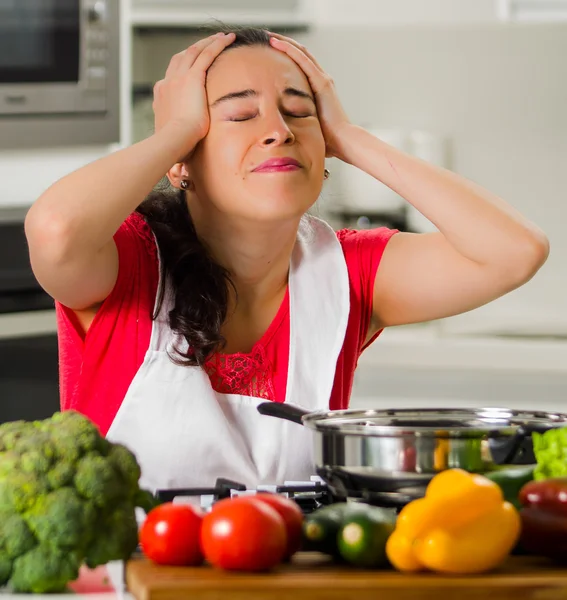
<point>52,57</point>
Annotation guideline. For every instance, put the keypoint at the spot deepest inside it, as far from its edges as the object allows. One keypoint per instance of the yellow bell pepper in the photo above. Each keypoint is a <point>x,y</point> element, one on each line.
<point>462,525</point>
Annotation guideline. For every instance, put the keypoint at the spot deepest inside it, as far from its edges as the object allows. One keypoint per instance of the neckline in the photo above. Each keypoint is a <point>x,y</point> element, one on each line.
<point>282,313</point>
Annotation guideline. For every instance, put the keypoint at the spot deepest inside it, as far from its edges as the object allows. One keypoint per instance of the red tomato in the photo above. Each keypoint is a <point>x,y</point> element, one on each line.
<point>171,535</point>
<point>239,534</point>
<point>292,516</point>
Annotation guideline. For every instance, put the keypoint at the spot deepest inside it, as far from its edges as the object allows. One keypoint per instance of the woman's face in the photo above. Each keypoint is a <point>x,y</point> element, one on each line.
<point>261,108</point>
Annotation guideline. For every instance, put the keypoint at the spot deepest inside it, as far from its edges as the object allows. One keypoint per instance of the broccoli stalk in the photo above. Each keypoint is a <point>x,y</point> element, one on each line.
<point>67,497</point>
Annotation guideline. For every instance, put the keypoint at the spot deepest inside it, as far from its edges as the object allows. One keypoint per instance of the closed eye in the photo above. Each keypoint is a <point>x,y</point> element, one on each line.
<point>248,117</point>
<point>244,118</point>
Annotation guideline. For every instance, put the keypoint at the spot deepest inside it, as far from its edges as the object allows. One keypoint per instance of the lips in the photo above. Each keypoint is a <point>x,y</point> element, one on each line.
<point>278,164</point>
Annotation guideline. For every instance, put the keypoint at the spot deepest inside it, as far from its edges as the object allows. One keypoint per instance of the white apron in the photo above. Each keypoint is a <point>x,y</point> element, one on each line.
<point>185,434</point>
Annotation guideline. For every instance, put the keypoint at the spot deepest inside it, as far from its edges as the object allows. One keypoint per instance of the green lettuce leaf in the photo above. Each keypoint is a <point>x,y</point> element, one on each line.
<point>550,450</point>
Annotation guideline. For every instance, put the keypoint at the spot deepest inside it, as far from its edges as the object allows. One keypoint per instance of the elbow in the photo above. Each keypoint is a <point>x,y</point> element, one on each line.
<point>47,235</point>
<point>529,257</point>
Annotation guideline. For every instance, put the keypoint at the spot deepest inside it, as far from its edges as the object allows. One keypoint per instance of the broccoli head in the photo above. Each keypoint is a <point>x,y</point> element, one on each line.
<point>97,480</point>
<point>120,540</point>
<point>44,569</point>
<point>67,497</point>
<point>5,568</point>
<point>74,435</point>
<point>62,519</point>
<point>9,461</point>
<point>16,537</point>
<point>126,464</point>
<point>61,474</point>
<point>19,491</point>
<point>12,431</point>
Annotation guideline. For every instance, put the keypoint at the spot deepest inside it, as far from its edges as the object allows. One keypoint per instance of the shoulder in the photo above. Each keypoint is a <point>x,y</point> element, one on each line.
<point>363,249</point>
<point>135,236</point>
<point>351,239</point>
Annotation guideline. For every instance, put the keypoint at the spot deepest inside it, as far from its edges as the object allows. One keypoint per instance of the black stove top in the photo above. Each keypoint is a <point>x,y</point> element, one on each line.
<point>309,495</point>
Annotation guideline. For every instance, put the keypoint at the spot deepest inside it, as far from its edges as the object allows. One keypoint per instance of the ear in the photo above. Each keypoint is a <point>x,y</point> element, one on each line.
<point>179,173</point>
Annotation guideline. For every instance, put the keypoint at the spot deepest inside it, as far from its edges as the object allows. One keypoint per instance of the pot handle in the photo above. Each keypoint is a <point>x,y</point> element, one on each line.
<point>282,411</point>
<point>515,444</point>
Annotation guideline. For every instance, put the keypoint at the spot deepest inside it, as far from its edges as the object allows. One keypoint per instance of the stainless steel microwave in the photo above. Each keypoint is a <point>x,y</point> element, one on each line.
<point>59,72</point>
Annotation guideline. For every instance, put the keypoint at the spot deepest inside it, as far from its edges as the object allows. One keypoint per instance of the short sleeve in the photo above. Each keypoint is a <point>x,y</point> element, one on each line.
<point>97,368</point>
<point>363,251</point>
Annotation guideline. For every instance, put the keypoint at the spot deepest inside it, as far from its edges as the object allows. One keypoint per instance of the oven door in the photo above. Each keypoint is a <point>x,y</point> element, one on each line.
<point>29,383</point>
<point>29,386</point>
<point>53,56</point>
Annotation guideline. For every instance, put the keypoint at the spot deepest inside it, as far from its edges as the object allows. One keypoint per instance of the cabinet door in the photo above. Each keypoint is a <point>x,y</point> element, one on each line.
<point>533,11</point>
<point>29,383</point>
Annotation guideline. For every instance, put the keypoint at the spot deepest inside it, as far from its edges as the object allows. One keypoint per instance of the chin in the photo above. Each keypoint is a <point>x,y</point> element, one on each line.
<point>281,202</point>
<point>280,207</point>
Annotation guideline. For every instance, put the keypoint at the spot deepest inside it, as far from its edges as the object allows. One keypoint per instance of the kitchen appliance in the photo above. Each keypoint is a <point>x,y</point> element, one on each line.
<point>29,383</point>
<point>309,495</point>
<point>59,63</point>
<point>360,453</point>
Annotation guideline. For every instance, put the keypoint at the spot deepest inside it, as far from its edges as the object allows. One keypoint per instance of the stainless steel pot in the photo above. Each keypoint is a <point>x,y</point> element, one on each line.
<point>365,448</point>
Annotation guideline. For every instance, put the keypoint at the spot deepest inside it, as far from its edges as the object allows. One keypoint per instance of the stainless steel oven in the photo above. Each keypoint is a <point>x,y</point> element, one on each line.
<point>29,387</point>
<point>59,67</point>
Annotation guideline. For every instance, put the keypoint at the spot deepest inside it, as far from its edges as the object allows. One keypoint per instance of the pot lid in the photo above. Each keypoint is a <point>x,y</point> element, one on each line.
<point>434,422</point>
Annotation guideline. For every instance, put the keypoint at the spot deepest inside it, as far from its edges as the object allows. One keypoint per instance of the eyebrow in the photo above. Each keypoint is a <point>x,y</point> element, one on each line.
<point>249,93</point>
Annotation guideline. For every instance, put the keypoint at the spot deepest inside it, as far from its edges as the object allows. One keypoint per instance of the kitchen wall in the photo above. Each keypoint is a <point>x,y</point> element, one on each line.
<point>497,91</point>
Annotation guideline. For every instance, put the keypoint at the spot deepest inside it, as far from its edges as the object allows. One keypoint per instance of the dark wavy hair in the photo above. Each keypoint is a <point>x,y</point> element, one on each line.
<point>200,285</point>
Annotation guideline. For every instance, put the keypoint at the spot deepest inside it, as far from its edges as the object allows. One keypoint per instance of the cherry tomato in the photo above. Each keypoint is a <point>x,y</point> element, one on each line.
<point>171,535</point>
<point>292,516</point>
<point>239,534</point>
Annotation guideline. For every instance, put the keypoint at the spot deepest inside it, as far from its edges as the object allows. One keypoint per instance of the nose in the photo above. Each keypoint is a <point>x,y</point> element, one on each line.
<point>278,132</point>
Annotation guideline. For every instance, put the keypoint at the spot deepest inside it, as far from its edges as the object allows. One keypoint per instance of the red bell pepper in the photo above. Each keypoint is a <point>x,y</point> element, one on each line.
<point>544,518</point>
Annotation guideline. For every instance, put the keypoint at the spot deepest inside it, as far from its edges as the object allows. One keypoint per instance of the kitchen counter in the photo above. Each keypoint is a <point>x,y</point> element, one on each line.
<point>428,346</point>
<point>105,583</point>
<point>413,367</point>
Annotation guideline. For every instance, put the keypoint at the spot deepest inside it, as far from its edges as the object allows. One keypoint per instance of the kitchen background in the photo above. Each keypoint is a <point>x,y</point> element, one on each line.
<point>478,86</point>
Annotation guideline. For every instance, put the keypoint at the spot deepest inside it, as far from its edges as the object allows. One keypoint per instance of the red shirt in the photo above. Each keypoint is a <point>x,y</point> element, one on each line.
<point>97,369</point>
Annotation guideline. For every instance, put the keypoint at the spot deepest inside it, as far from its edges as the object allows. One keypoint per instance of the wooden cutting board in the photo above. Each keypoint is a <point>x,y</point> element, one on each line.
<point>313,577</point>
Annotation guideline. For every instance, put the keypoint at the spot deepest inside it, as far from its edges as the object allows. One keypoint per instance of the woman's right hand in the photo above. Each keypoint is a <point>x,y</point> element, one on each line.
<point>180,99</point>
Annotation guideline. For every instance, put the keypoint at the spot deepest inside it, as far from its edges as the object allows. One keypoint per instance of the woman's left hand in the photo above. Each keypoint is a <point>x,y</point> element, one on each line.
<point>332,116</point>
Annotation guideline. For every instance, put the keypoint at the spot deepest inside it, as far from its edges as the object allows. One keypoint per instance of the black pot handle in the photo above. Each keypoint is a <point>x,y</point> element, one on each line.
<point>513,445</point>
<point>282,411</point>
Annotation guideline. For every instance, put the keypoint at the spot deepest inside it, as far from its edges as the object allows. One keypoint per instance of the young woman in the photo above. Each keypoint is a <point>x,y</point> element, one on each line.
<point>180,310</point>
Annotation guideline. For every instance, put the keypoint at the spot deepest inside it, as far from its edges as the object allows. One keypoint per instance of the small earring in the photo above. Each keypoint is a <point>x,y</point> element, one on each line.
<point>326,174</point>
<point>184,185</point>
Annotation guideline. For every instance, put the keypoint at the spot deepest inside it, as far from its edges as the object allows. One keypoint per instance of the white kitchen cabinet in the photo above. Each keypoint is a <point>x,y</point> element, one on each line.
<point>196,13</point>
<point>378,13</point>
<point>532,11</point>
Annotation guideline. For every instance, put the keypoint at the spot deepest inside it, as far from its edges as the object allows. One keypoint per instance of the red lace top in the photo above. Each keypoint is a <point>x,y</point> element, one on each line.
<point>96,369</point>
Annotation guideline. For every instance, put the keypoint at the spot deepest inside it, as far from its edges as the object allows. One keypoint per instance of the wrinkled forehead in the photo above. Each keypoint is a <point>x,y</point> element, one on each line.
<point>259,68</point>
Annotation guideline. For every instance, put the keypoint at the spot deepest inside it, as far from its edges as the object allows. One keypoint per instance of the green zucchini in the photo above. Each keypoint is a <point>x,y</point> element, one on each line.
<point>363,536</point>
<point>511,479</point>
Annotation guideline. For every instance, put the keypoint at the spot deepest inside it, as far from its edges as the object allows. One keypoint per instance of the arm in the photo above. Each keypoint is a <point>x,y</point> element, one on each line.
<point>70,228</point>
<point>483,250</point>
